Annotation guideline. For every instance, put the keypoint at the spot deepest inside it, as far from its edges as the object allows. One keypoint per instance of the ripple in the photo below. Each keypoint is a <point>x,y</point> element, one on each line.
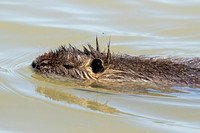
<point>178,2</point>
<point>3,69</point>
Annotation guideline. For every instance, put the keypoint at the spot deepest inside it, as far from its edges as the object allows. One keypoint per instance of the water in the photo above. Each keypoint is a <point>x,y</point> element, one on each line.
<point>30,103</point>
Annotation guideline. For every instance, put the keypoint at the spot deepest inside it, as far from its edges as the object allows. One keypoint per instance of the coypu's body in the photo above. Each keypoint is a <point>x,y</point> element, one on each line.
<point>92,64</point>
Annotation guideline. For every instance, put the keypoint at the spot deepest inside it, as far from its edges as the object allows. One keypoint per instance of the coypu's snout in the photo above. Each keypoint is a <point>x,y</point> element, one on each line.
<point>33,64</point>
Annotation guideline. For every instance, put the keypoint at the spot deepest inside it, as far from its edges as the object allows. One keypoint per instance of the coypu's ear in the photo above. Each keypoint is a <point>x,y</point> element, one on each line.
<point>97,66</point>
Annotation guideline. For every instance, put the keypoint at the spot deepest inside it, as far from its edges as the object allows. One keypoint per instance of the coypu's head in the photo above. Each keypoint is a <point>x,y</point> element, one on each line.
<point>72,63</point>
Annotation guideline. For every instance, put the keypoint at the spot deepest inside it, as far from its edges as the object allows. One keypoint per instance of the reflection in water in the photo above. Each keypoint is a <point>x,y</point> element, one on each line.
<point>117,87</point>
<point>139,88</point>
<point>71,99</point>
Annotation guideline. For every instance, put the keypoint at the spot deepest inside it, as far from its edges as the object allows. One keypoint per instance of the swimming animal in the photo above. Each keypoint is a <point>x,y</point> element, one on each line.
<point>91,64</point>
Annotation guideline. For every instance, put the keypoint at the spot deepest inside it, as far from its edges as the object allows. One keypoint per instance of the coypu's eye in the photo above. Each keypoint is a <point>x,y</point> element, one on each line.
<point>97,66</point>
<point>68,66</point>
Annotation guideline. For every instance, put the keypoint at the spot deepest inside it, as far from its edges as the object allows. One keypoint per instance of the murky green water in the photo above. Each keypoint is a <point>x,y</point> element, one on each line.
<point>30,103</point>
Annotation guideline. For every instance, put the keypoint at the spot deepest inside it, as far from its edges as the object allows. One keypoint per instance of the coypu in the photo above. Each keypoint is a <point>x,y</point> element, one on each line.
<point>92,64</point>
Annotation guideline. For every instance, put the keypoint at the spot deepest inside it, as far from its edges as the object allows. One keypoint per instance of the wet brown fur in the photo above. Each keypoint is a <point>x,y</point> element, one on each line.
<point>92,64</point>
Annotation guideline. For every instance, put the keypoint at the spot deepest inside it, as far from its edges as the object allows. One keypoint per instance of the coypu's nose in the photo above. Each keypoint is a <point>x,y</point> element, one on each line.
<point>33,64</point>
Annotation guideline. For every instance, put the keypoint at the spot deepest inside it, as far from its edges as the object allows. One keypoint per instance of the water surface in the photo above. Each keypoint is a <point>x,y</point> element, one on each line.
<point>30,103</point>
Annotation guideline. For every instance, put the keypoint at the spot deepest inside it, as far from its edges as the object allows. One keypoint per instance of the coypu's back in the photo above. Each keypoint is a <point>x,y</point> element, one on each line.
<point>158,70</point>
<point>94,65</point>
